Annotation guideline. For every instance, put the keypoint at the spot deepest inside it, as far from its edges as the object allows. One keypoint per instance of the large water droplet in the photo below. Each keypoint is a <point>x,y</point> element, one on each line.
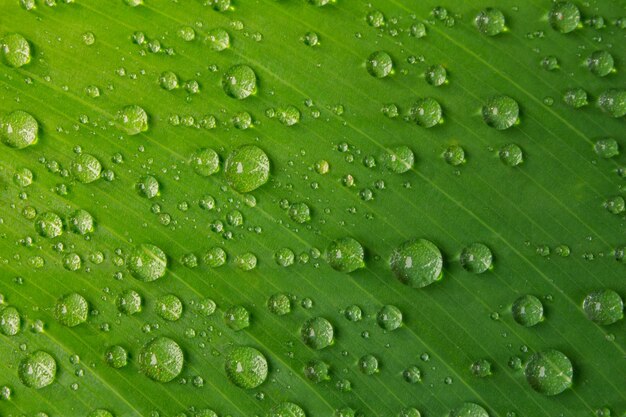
<point>500,112</point>
<point>86,168</point>
<point>613,102</point>
<point>132,119</point>
<point>399,159</point>
<point>147,262</point>
<point>286,409</point>
<point>490,21</point>
<point>316,371</point>
<point>564,16</point>
<point>246,367</point>
<point>527,310</point>
<point>239,81</point>
<point>19,129</point>
<point>161,359</point>
<point>600,63</point>
<point>317,333</point>
<point>604,307</point>
<point>549,372</point>
<point>15,50</point>
<point>379,64</point>
<point>427,112</point>
<point>169,307</point>
<point>71,310</point>
<point>247,168</point>
<point>345,255</point>
<point>37,370</point>
<point>10,321</point>
<point>417,263</point>
<point>476,258</point>
<point>389,317</point>
<point>49,225</point>
<point>469,410</point>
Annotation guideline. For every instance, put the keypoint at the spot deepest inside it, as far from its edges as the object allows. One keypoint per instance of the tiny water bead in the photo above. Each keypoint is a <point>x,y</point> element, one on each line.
<point>345,255</point>
<point>161,359</point>
<point>116,356</point>
<point>436,75</point>
<point>606,148</point>
<point>37,370</point>
<point>481,368</point>
<point>469,410</point>
<point>476,258</point>
<point>490,21</point>
<point>205,162</point>
<point>379,64</point>
<point>454,155</point>
<point>604,307</point>
<point>549,372</point>
<point>247,168</point>
<point>237,317</point>
<point>399,159</point>
<point>389,317</point>
<point>500,112</point>
<point>129,302</point>
<point>71,310</point>
<point>279,304</point>
<point>81,222</point>
<point>613,102</point>
<point>217,39</point>
<point>86,168</point>
<point>600,63</point>
<point>239,82</point>
<point>564,16</point>
<point>511,155</point>
<point>15,50</point>
<point>527,310</point>
<point>412,374</point>
<point>49,225</point>
<point>427,112</point>
<point>147,262</point>
<point>286,409</point>
<point>246,367</point>
<point>169,307</point>
<point>132,119</point>
<point>317,333</point>
<point>417,263</point>
<point>148,186</point>
<point>368,364</point>
<point>575,97</point>
<point>10,321</point>
<point>316,371</point>
<point>19,129</point>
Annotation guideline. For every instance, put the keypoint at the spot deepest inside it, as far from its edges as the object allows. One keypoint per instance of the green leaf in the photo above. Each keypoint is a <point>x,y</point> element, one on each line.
<point>323,207</point>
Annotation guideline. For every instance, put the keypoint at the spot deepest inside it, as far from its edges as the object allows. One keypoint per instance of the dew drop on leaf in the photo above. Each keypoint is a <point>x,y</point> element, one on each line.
<point>279,304</point>
<point>613,102</point>
<point>527,310</point>
<point>132,119</point>
<point>511,155</point>
<point>549,372</point>
<point>316,371</point>
<point>286,409</point>
<point>399,159</point>
<point>38,370</point>
<point>239,82</point>
<point>71,310</point>
<point>345,255</point>
<point>217,39</point>
<point>49,225</point>
<point>317,333</point>
<point>427,112</point>
<point>564,16</point>
<point>169,307</point>
<point>389,317</point>
<point>476,258</point>
<point>19,129</point>
<point>490,21</point>
<point>417,263</point>
<point>606,148</point>
<point>368,364</point>
<point>379,64</point>
<point>116,356</point>
<point>604,307</point>
<point>500,112</point>
<point>86,168</point>
<point>15,50</point>
<point>10,321</point>
<point>481,368</point>
<point>161,359</point>
<point>469,410</point>
<point>147,262</point>
<point>148,186</point>
<point>247,168</point>
<point>575,97</point>
<point>237,317</point>
<point>246,367</point>
<point>600,63</point>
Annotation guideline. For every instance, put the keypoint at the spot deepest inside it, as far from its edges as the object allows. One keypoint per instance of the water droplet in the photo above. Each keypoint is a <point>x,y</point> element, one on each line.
<point>100,412</point>
<point>316,371</point>
<point>476,258</point>
<point>353,313</point>
<point>368,364</point>
<point>417,263</point>
<point>615,205</point>
<point>279,304</point>
<point>604,307</point>
<point>549,63</point>
<point>246,261</point>
<point>116,356</point>
<point>289,115</point>
<point>81,222</point>
<point>168,80</point>
<point>311,39</point>
<point>86,168</point>
<point>148,186</point>
<point>490,21</point>
<point>247,168</point>
<point>511,155</point>
<point>239,82</point>
<point>147,262</point>
<point>527,310</point>
<point>205,162</point>
<point>218,39</point>
<point>19,129</point>
<point>549,372</point>
<point>379,64</point>
<point>469,410</point>
<point>246,367</point>
<point>286,409</point>
<point>613,102</point>
<point>345,255</point>
<point>71,310</point>
<point>10,321</point>
<point>412,374</point>
<point>49,225</point>
<point>399,159</point>
<point>375,18</point>
<point>500,112</point>
<point>72,261</point>
<point>436,75</point>
<point>564,16</point>
<point>427,112</point>
<point>575,97</point>
<point>481,368</point>
<point>215,257</point>
<point>15,50</point>
<point>161,359</point>
<point>132,119</point>
<point>600,63</point>
<point>237,317</point>
<point>317,333</point>
<point>389,317</point>
<point>300,213</point>
<point>37,370</point>
<point>606,148</point>
<point>169,307</point>
<point>418,30</point>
